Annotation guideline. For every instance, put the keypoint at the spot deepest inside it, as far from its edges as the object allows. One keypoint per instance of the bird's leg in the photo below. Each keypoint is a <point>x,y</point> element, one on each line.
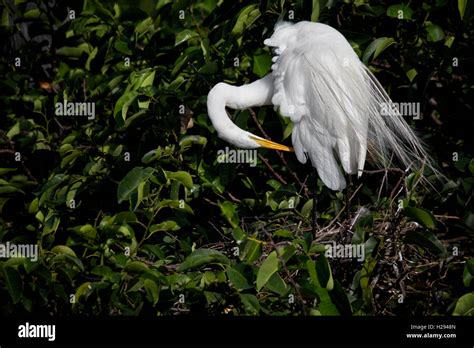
<point>348,196</point>
<point>314,191</point>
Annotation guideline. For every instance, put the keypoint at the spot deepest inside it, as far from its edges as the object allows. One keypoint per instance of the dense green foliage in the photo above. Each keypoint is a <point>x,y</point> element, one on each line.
<point>134,214</point>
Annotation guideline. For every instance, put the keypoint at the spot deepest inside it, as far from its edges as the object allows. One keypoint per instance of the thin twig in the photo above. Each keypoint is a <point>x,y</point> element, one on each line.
<point>275,174</point>
<point>234,199</point>
<point>398,170</point>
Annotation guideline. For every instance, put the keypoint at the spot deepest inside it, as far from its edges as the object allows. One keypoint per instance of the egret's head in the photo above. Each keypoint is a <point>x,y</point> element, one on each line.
<point>283,36</point>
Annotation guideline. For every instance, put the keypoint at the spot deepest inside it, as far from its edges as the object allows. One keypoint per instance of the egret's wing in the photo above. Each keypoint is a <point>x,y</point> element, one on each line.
<point>311,87</point>
<point>335,102</point>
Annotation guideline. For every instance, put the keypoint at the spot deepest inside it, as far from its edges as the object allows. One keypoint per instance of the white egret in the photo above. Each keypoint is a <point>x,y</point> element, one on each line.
<point>333,100</point>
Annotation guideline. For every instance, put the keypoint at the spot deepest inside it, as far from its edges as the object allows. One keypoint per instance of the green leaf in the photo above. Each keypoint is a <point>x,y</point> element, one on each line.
<point>173,204</point>
<point>400,11</point>
<point>184,36</point>
<point>326,307</point>
<point>137,198</point>
<point>70,158</point>
<point>62,249</point>
<point>277,285</point>
<point>462,7</point>
<point>323,270</point>
<point>465,305</point>
<point>420,215</point>
<point>131,181</point>
<point>6,170</point>
<point>14,130</point>
<point>237,279</point>
<point>14,262</point>
<point>287,252</point>
<point>152,291</point>
<point>122,47</point>
<point>75,52</point>
<point>461,164</point>
<point>449,41</point>
<point>307,209</point>
<point>434,33</point>
<point>86,231</point>
<point>364,278</point>
<point>251,304</point>
<point>315,12</point>
<point>125,217</point>
<point>340,300</point>
<point>117,11</point>
<point>122,105</point>
<point>181,176</point>
<point>288,129</point>
<point>70,260</point>
<point>261,64</point>
<point>169,225</point>
<point>187,141</point>
<point>245,18</point>
<point>267,269</point>
<point>33,208</point>
<point>5,18</point>
<point>238,234</point>
<point>209,68</point>
<point>468,273</point>
<point>141,79</point>
<point>136,267</point>
<point>251,250</point>
<point>201,257</point>
<point>92,55</point>
<point>32,13</point>
<point>105,272</point>
<point>148,80</point>
<point>5,190</point>
<point>311,266</point>
<point>144,26</point>
<point>51,223</point>
<point>14,283</point>
<point>426,239</point>
<point>411,74</point>
<point>83,290</point>
<point>228,210</point>
<point>284,233</point>
<point>376,47</point>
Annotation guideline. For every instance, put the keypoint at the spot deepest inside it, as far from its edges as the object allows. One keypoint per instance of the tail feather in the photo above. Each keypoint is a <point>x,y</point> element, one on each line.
<point>390,134</point>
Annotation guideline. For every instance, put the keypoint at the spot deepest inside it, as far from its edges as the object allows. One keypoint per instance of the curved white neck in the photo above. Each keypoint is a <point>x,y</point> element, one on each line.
<point>257,93</point>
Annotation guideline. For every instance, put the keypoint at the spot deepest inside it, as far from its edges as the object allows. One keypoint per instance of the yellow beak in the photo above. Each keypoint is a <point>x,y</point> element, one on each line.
<point>271,145</point>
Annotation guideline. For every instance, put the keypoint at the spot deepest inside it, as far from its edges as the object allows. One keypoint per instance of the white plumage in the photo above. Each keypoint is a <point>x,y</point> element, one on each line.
<point>334,101</point>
